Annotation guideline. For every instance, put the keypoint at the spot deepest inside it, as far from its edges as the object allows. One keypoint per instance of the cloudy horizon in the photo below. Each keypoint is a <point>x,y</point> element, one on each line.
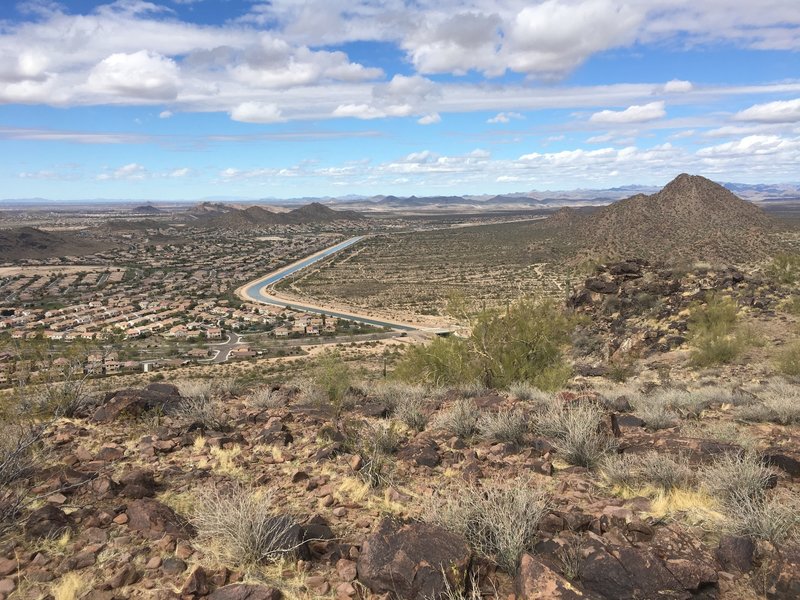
<point>185,99</point>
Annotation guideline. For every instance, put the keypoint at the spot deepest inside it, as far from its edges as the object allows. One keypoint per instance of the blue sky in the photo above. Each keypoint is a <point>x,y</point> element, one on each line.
<point>187,99</point>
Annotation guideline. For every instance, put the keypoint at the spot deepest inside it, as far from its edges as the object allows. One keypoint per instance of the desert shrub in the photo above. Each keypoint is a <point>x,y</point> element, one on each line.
<point>17,446</point>
<point>199,389</point>
<point>780,403</point>
<point>664,407</point>
<point>576,429</point>
<point>460,419</point>
<point>242,527</point>
<point>310,392</point>
<point>334,377</point>
<point>785,268</point>
<point>775,518</point>
<point>523,343</point>
<point>499,520</point>
<point>733,477</point>
<point>621,470</point>
<point>666,472</point>
<point>712,332</point>
<point>788,361</point>
<point>509,426</point>
<point>792,305</point>
<point>525,391</point>
<point>374,444</point>
<point>653,470</point>
<point>227,386</point>
<point>442,362</point>
<point>264,397</point>
<point>472,389</point>
<point>412,411</point>
<point>208,412</point>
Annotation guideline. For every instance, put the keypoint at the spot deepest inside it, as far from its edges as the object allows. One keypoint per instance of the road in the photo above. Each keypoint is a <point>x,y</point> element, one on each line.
<point>262,291</point>
<point>223,349</point>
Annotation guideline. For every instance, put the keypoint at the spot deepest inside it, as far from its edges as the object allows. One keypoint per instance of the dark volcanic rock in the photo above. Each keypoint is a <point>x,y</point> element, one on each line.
<point>736,552</point>
<point>46,522</point>
<point>245,591</point>
<point>536,581</point>
<point>412,560</point>
<point>153,520</point>
<point>135,402</point>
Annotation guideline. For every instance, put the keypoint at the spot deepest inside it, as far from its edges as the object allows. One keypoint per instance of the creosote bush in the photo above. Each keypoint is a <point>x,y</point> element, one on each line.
<point>242,527</point>
<point>460,419</point>
<point>522,343</point>
<point>499,520</point>
<point>576,428</point>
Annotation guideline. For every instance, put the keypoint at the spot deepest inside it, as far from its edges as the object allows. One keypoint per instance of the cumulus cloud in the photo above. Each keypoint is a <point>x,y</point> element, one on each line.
<point>257,112</point>
<point>142,74</point>
<point>632,114</point>
<point>780,111</point>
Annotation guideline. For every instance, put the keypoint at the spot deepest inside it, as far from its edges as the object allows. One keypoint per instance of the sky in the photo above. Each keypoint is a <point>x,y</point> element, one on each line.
<point>193,99</point>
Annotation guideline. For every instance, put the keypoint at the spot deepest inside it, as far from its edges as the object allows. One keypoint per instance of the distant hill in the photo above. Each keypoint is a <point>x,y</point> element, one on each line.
<point>147,209</point>
<point>29,242</point>
<point>230,217</point>
<point>690,218</point>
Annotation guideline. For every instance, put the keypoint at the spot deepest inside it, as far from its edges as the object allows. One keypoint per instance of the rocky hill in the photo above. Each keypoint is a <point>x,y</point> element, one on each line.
<point>230,217</point>
<point>30,242</point>
<point>690,218</point>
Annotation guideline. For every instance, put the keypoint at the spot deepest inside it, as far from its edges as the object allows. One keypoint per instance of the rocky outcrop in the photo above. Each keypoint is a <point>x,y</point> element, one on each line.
<point>134,402</point>
<point>153,520</point>
<point>411,561</point>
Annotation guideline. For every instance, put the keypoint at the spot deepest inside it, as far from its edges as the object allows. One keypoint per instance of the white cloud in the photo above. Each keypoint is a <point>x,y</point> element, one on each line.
<point>632,114</point>
<point>177,173</point>
<point>678,86</point>
<point>165,114</point>
<point>142,74</point>
<point>780,111</point>
<point>131,172</point>
<point>257,112</point>
<point>504,117</point>
<point>430,119</point>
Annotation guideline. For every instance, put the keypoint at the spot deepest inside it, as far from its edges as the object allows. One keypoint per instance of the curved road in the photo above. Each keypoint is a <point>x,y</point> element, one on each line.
<point>257,291</point>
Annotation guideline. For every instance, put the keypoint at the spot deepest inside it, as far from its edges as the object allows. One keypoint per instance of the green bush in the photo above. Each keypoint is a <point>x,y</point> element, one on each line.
<point>523,343</point>
<point>333,377</point>
<point>789,360</point>
<point>712,332</point>
<point>785,268</point>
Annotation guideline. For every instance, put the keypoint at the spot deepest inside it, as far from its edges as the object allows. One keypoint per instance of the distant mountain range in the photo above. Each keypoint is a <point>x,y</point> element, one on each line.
<point>759,193</point>
<point>30,242</point>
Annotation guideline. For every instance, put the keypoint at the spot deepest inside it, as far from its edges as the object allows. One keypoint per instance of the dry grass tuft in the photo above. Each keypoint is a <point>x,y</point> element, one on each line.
<point>509,426</point>
<point>264,398</point>
<point>71,586</point>
<point>242,528</point>
<point>576,429</point>
<point>460,419</point>
<point>780,403</point>
<point>499,519</point>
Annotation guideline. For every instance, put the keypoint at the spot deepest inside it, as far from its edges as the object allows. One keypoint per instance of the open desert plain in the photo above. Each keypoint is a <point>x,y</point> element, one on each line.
<point>392,300</point>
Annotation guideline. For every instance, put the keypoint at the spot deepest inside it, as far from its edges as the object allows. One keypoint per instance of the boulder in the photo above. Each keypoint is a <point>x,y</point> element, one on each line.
<point>736,553</point>
<point>135,402</point>
<point>536,581</point>
<point>46,522</point>
<point>783,582</point>
<point>411,561</point>
<point>153,520</point>
<point>422,451</point>
<point>138,483</point>
<point>245,591</point>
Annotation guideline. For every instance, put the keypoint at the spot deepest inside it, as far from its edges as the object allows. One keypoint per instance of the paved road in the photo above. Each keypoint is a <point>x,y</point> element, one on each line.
<point>223,349</point>
<point>262,291</point>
